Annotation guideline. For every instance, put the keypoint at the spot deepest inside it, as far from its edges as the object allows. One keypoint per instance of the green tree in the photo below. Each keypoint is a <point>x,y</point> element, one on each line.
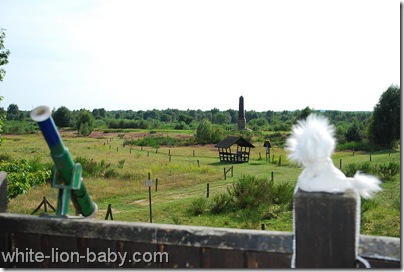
<point>221,118</point>
<point>354,132</point>
<point>63,117</point>
<point>203,132</point>
<point>4,53</point>
<point>206,133</point>
<point>85,123</point>
<point>99,113</point>
<point>384,128</point>
<point>304,113</point>
<point>2,118</point>
<point>186,118</point>
<point>13,112</point>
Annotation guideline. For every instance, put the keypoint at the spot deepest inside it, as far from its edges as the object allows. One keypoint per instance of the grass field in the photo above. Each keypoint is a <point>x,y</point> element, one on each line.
<point>183,178</point>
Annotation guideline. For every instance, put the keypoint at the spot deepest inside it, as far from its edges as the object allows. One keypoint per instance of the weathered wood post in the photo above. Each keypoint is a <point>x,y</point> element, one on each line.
<point>149,184</point>
<point>109,213</point>
<point>3,191</point>
<point>325,229</point>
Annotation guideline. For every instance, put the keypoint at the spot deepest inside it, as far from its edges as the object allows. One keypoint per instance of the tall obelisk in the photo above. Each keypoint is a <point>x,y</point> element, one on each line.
<point>241,122</point>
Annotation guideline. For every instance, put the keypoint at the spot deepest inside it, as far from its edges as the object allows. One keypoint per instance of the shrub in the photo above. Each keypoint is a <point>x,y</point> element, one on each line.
<point>351,169</point>
<point>91,168</point>
<point>198,206</point>
<point>251,192</point>
<point>23,174</point>
<point>387,172</point>
<point>221,203</point>
<point>6,157</point>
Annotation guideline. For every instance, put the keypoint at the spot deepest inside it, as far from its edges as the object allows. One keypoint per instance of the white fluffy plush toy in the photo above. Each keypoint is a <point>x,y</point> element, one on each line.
<point>311,145</point>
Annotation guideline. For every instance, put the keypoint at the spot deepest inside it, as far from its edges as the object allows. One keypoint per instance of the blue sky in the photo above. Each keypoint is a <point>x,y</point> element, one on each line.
<point>140,55</point>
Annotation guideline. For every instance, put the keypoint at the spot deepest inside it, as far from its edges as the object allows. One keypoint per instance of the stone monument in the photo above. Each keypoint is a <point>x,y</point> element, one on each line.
<point>241,122</point>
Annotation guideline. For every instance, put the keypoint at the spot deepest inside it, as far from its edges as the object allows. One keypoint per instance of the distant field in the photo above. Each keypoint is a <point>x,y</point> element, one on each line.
<point>181,180</point>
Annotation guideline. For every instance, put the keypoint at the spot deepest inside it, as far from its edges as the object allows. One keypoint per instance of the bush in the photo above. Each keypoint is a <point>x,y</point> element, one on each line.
<point>19,127</point>
<point>251,192</point>
<point>93,169</point>
<point>198,206</point>
<point>351,169</point>
<point>221,203</point>
<point>23,174</point>
<point>387,172</point>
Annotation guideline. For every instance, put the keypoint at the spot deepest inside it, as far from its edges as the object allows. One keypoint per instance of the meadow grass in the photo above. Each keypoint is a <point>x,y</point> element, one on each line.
<point>181,180</point>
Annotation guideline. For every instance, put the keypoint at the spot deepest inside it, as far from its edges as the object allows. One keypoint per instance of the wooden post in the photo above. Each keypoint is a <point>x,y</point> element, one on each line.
<point>232,170</point>
<point>273,157</point>
<point>157,182</point>
<point>150,202</point>
<point>207,190</point>
<point>259,155</point>
<point>198,162</point>
<point>224,172</point>
<point>325,229</point>
<point>262,226</point>
<point>280,161</point>
<point>272,175</point>
<point>193,153</point>
<point>340,163</point>
<point>3,192</point>
<point>116,149</point>
<point>169,157</point>
<point>109,213</point>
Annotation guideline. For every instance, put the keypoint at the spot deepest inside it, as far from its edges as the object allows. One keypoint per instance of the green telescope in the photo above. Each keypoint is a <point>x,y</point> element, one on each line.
<point>67,175</point>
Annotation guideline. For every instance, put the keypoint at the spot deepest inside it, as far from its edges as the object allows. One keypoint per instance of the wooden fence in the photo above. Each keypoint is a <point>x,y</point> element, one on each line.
<point>73,243</point>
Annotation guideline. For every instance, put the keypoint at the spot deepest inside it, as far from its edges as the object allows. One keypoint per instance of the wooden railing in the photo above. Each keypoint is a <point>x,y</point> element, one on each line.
<point>87,243</point>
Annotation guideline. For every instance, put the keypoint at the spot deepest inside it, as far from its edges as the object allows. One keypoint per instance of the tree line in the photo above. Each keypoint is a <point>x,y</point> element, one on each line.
<point>380,127</point>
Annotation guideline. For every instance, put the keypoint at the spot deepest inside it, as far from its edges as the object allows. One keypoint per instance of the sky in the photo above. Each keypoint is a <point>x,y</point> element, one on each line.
<point>189,54</point>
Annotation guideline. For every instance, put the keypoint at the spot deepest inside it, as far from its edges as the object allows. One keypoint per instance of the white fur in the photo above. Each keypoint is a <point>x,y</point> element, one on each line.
<point>311,144</point>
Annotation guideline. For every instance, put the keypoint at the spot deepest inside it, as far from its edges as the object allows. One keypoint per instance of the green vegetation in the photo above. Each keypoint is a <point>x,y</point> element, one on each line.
<point>378,130</point>
<point>118,149</point>
<point>23,174</point>
<point>116,175</point>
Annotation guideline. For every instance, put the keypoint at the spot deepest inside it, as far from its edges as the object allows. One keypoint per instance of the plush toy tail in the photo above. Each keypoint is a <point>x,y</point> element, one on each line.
<point>366,185</point>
